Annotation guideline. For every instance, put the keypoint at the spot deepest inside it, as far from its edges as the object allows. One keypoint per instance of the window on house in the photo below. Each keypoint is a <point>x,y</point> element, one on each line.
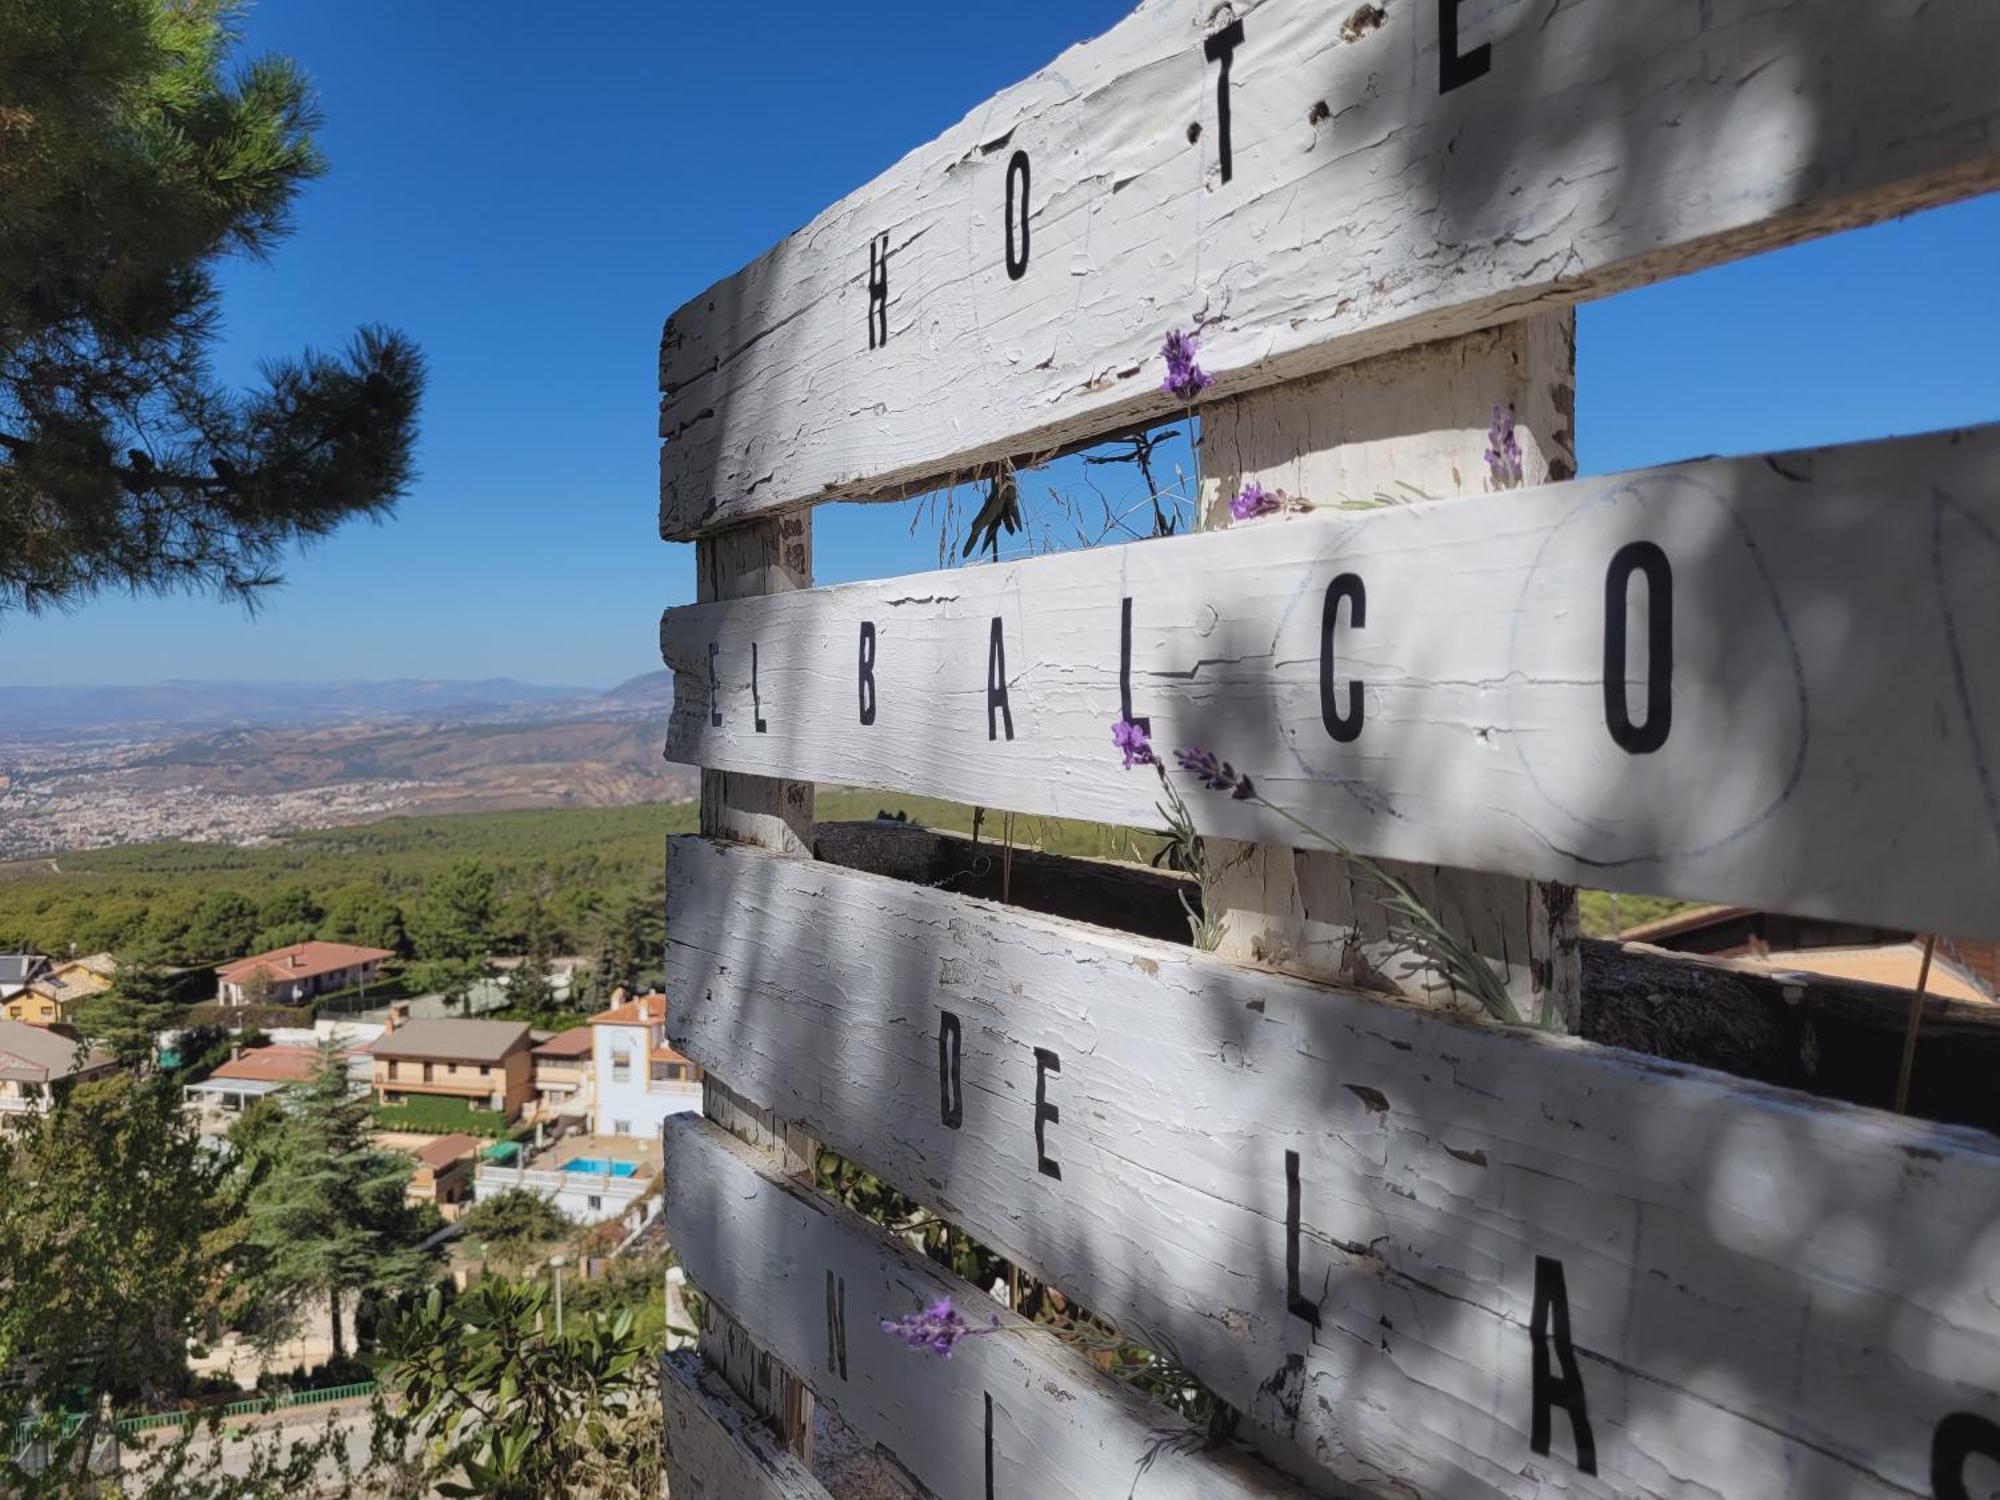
<point>596,1203</point>
<point>621,1067</point>
<point>427,1072</point>
<point>621,1127</point>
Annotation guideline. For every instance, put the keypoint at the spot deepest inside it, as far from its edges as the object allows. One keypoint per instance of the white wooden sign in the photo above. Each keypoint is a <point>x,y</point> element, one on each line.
<point>1307,183</point>
<point>1423,1257</point>
<point>1773,681</point>
<point>718,1449</point>
<point>1008,1415</point>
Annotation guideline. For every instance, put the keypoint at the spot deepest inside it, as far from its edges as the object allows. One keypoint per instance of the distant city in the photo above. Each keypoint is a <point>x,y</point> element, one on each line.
<point>230,762</point>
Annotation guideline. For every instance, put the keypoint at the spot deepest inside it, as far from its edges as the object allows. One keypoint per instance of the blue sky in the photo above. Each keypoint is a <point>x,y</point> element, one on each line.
<point>529,189</point>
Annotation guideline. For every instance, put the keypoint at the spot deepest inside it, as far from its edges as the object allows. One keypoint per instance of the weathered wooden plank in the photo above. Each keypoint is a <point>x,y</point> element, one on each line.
<point>767,555</point>
<point>770,556</point>
<point>1002,291</point>
<point>1129,898</point>
<point>1761,1294</point>
<point>716,1449</point>
<point>1413,424</point>
<point>1839,1038</point>
<point>1823,739</point>
<point>1008,1414</point>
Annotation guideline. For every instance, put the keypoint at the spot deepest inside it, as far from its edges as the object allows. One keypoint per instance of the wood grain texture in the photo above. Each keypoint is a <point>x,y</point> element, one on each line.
<point>716,1449</point>
<point>1061,1431</point>
<point>1608,143</point>
<point>766,555</point>
<point>1769,1296</point>
<point>1838,1038</point>
<point>1411,425</point>
<point>1834,737</point>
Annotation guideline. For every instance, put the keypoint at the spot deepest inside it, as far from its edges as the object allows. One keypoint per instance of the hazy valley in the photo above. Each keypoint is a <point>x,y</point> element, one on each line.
<point>238,763</point>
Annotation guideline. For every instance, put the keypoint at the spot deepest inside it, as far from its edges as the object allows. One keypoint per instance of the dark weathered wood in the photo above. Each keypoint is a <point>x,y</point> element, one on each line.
<point>1127,898</point>
<point>1838,1038</point>
<point>716,1449</point>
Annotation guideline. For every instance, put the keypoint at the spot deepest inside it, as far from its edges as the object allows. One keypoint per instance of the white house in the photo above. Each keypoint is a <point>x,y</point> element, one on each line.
<point>639,1079</point>
<point>582,1190</point>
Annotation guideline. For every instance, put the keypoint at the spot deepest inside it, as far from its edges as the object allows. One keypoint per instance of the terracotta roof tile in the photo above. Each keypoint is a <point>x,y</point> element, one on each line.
<point>300,961</point>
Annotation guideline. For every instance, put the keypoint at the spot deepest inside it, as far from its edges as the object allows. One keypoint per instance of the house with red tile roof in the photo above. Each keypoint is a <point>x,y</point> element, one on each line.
<point>248,1077</point>
<point>293,975</point>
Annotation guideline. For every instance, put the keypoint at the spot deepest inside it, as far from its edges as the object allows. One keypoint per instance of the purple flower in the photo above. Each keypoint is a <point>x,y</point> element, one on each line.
<point>1503,450</point>
<point>1185,378</point>
<point>1216,774</point>
<point>1131,739</point>
<point>1254,501</point>
<point>937,1328</point>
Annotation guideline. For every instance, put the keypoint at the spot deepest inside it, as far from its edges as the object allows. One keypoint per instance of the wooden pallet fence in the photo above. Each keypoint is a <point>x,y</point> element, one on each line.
<point>1012,1413</point>
<point>1311,184</point>
<point>1420,1257</point>
<point>1715,680</point>
<point>1414,1252</point>
<point>716,1445</point>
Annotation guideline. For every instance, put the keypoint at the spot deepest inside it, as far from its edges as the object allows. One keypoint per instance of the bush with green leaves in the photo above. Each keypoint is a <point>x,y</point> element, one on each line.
<point>506,1407</point>
<point>515,1216</point>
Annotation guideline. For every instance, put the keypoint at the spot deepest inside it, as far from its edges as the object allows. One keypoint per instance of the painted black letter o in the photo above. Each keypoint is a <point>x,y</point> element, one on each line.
<point>1958,1437</point>
<point>1017,217</point>
<point>1344,727</point>
<point>1647,558</point>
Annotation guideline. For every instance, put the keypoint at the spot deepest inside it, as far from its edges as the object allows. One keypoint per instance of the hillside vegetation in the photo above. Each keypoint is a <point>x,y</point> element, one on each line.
<point>575,863</point>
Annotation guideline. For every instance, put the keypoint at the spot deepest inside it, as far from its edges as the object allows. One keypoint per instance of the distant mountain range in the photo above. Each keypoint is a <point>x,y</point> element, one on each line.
<point>169,709</point>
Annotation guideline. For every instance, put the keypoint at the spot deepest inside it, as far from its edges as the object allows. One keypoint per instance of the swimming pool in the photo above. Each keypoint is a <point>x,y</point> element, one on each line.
<point>598,1167</point>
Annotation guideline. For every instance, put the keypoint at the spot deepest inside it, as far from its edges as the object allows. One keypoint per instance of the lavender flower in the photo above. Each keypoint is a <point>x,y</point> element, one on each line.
<point>1131,739</point>
<point>1215,774</point>
<point>1185,379</point>
<point>937,1328</point>
<point>1503,450</point>
<point>1254,501</point>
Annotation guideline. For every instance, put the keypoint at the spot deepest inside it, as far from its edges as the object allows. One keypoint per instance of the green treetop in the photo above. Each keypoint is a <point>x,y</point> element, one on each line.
<point>131,162</point>
<point>363,914</point>
<point>126,1019</point>
<point>324,1207</point>
<point>454,916</point>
